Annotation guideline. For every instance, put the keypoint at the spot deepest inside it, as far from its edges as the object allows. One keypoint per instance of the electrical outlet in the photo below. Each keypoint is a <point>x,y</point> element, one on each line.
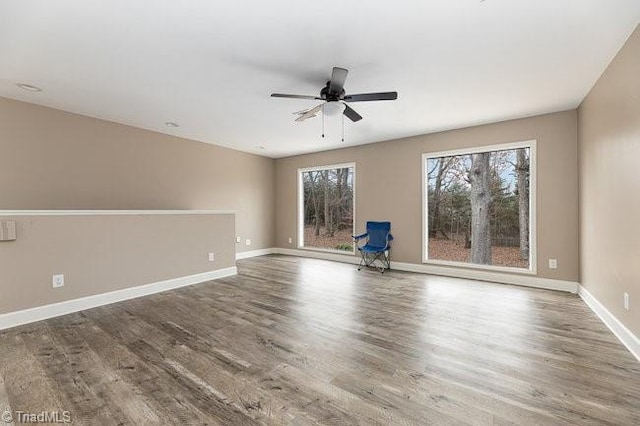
<point>238,239</point>
<point>553,263</point>
<point>290,240</point>
<point>248,242</point>
<point>626,301</point>
<point>58,281</point>
<point>212,257</point>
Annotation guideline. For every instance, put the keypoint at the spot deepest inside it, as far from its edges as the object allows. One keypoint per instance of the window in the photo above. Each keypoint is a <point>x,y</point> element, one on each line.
<point>326,207</point>
<point>479,207</point>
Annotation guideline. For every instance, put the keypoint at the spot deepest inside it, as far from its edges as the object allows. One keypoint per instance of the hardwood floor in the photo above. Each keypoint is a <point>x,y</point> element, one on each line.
<point>303,341</point>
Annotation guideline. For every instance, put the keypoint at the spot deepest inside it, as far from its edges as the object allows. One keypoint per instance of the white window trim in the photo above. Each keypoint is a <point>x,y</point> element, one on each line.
<point>533,248</point>
<point>300,207</point>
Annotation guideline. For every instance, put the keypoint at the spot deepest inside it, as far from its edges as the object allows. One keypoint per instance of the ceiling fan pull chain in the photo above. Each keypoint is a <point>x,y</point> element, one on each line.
<point>342,127</point>
<point>323,121</point>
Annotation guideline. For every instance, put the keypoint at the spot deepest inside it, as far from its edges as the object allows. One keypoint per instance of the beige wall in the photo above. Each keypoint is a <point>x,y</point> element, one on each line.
<point>609,130</point>
<point>103,253</point>
<point>388,187</point>
<point>51,159</point>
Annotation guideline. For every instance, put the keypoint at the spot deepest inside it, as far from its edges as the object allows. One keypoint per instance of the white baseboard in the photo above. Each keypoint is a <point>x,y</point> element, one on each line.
<point>630,340</point>
<point>498,277</point>
<point>254,253</point>
<point>13,319</point>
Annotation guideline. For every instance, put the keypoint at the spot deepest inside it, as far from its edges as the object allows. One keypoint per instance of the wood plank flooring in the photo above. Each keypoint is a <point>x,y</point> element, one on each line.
<point>307,342</point>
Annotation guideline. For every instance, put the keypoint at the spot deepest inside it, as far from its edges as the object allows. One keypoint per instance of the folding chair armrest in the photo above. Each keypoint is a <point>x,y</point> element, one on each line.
<point>361,236</point>
<point>389,239</point>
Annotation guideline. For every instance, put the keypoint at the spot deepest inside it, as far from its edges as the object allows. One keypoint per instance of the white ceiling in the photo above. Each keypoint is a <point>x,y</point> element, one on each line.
<point>211,65</point>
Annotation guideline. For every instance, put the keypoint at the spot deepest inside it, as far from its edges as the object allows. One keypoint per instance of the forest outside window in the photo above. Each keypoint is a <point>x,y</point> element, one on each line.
<point>479,207</point>
<point>326,207</point>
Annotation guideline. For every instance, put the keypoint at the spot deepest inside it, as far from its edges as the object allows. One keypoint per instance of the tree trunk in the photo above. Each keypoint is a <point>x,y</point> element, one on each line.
<point>327,218</point>
<point>338,207</point>
<point>522,170</point>
<point>316,204</point>
<point>437,198</point>
<point>480,178</point>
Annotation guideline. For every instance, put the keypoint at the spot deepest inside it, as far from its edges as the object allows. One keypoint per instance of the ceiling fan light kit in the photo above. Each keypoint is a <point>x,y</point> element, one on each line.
<point>333,108</point>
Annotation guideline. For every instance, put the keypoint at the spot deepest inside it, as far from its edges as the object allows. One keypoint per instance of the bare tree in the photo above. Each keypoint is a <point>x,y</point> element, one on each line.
<point>341,197</point>
<point>327,202</point>
<point>522,172</point>
<point>480,178</point>
<point>315,199</point>
<point>444,172</point>
<point>337,216</point>
<point>442,167</point>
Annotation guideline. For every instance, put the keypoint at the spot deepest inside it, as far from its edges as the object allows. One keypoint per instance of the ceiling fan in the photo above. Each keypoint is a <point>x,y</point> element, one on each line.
<point>335,99</point>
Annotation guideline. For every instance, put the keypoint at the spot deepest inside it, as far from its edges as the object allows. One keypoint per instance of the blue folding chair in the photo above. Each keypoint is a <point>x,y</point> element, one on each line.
<point>375,251</point>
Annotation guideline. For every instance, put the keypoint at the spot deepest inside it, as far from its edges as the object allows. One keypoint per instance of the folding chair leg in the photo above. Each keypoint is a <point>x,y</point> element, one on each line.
<point>380,260</point>
<point>362,259</point>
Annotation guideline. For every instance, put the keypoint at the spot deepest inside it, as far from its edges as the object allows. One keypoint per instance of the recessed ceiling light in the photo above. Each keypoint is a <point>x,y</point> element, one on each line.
<point>29,87</point>
<point>171,124</point>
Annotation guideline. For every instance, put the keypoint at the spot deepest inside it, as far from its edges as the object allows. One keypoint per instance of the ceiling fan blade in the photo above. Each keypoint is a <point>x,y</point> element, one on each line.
<point>310,113</point>
<point>338,77</point>
<point>362,97</point>
<point>304,117</point>
<point>312,110</point>
<point>351,114</point>
<point>282,95</point>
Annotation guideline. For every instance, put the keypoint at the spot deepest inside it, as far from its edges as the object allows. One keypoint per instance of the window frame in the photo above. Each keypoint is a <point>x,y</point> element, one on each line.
<point>533,248</point>
<point>300,206</point>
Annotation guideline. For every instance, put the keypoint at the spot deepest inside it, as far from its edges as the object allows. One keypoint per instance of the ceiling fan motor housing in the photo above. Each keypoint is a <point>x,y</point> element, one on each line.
<point>330,96</point>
